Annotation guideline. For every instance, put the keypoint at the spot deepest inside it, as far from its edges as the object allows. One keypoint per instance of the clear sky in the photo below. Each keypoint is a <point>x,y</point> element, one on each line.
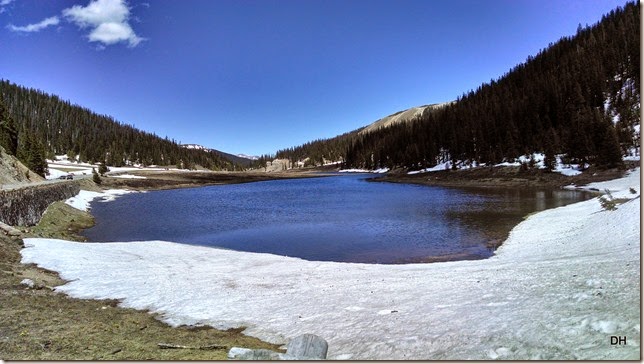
<point>254,76</point>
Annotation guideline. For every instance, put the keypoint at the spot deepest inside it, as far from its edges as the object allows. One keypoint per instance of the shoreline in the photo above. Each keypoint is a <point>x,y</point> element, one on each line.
<point>250,257</point>
<point>498,177</point>
<point>164,180</point>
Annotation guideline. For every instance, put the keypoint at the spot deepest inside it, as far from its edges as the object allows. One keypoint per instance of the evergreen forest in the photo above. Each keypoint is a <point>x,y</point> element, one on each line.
<point>35,125</point>
<point>578,98</point>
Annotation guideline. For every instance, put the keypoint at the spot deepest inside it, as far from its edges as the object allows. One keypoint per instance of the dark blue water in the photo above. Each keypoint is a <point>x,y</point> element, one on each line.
<point>340,218</point>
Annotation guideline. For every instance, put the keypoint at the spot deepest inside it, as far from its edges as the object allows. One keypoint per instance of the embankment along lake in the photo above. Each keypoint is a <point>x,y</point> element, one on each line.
<point>341,218</point>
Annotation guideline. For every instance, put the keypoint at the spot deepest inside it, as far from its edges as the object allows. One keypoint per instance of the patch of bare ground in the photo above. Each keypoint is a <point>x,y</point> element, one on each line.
<point>161,180</point>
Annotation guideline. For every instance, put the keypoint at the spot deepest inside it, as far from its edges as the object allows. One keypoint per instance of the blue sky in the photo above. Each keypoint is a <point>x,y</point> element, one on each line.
<point>254,76</point>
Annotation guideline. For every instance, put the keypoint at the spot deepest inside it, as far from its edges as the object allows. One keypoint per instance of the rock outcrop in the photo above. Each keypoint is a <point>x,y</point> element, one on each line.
<point>303,347</point>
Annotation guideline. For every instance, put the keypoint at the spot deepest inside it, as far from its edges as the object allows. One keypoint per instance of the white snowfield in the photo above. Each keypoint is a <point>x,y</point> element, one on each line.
<point>565,282</point>
<point>128,176</point>
<point>82,200</point>
<point>358,170</point>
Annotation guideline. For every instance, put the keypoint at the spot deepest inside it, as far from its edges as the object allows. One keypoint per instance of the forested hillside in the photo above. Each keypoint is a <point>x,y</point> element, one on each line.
<point>321,151</point>
<point>317,152</point>
<point>34,124</point>
<point>579,98</point>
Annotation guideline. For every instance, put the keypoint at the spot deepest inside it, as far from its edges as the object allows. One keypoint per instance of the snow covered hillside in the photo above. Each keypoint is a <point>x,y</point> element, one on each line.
<point>564,283</point>
<point>62,165</point>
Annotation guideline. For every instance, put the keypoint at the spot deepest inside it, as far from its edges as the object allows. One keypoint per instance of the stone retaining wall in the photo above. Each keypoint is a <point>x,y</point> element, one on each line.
<point>25,206</point>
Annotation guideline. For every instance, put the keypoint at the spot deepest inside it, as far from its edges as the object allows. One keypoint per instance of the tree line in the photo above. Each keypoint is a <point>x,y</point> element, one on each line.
<point>35,125</point>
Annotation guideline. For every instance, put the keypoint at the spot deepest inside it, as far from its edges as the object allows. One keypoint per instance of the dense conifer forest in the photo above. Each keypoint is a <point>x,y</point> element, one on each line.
<point>579,97</point>
<point>35,125</point>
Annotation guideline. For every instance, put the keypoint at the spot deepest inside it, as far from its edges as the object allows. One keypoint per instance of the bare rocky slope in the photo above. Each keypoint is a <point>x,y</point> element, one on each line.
<point>13,172</point>
<point>401,117</point>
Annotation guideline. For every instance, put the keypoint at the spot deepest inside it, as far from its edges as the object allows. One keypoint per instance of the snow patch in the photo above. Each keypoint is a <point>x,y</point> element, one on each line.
<point>83,199</point>
<point>357,170</point>
<point>129,176</point>
<point>620,188</point>
<point>28,282</point>
<point>438,167</point>
<point>538,158</point>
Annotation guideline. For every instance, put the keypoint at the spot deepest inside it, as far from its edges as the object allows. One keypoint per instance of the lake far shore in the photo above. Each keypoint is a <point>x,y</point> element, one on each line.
<point>149,180</point>
<point>504,176</point>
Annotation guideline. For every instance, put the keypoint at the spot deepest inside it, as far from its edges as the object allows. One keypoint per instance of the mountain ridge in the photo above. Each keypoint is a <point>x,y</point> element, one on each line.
<point>241,159</point>
<point>75,130</point>
<point>402,116</point>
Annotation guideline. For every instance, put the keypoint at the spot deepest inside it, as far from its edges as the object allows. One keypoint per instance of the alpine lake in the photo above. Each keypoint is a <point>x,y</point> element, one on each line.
<point>342,218</point>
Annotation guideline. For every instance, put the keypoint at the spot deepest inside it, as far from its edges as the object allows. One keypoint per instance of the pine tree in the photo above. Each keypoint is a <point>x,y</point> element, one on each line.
<point>102,169</point>
<point>31,153</point>
<point>550,159</point>
<point>37,161</point>
<point>24,148</point>
<point>8,131</point>
<point>95,177</point>
<point>608,149</point>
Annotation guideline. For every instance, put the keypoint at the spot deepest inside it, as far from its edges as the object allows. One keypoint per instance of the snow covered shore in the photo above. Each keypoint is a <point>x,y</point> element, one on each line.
<point>84,198</point>
<point>564,282</point>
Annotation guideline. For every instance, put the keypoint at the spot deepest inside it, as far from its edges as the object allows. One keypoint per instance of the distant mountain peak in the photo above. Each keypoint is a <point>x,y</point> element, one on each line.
<point>196,146</point>
<point>251,157</point>
<point>238,158</point>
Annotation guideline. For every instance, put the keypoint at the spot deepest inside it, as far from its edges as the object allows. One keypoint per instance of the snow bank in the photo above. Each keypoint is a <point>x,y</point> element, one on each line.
<point>356,170</point>
<point>565,169</point>
<point>560,167</point>
<point>438,167</point>
<point>55,172</point>
<point>129,176</point>
<point>83,199</point>
<point>564,282</point>
<point>61,164</point>
<point>619,187</point>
